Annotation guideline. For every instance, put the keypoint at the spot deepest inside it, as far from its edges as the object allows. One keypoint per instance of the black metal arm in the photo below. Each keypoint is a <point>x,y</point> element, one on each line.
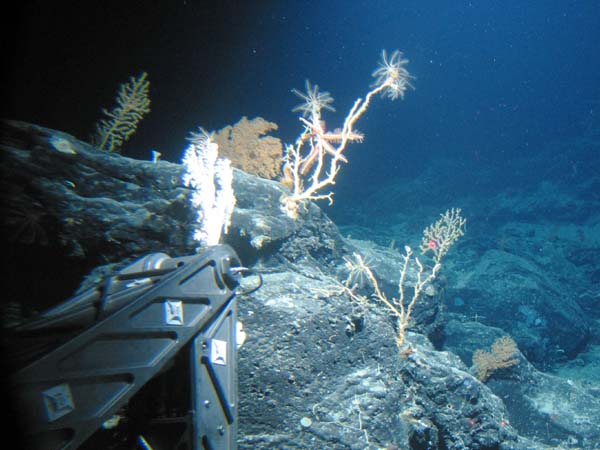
<point>135,328</point>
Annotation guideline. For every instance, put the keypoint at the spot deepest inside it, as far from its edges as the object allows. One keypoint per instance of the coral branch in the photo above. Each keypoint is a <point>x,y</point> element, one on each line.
<point>311,165</point>
<point>122,121</point>
<point>402,306</point>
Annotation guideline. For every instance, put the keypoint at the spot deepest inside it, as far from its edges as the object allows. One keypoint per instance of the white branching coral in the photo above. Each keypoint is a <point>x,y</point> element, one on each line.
<point>211,179</point>
<point>311,165</point>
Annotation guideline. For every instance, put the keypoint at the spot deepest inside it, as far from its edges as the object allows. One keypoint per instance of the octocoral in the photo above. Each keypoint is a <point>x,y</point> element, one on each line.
<point>211,180</point>
<point>249,148</point>
<point>503,354</point>
<point>122,121</point>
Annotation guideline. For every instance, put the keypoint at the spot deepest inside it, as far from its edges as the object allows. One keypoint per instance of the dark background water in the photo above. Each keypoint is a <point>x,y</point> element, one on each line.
<point>494,80</point>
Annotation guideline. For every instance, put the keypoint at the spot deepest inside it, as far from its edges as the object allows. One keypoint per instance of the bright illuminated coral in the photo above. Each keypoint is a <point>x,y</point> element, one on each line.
<point>211,181</point>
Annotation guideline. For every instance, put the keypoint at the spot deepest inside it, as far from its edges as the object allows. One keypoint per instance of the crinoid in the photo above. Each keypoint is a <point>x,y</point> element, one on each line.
<point>359,272</point>
<point>392,74</point>
<point>314,101</point>
<point>25,223</point>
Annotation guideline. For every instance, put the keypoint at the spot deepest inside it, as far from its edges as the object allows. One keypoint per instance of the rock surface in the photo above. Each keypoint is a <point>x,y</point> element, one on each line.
<point>317,371</point>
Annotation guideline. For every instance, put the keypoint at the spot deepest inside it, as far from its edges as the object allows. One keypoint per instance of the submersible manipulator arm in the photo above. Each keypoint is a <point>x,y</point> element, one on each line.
<point>139,336</point>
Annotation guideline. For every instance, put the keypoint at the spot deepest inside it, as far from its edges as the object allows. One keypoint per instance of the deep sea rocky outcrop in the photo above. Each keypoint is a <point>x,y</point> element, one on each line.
<point>314,372</point>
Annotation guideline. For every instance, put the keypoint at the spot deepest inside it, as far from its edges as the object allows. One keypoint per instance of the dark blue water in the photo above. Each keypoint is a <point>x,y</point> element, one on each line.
<point>493,80</point>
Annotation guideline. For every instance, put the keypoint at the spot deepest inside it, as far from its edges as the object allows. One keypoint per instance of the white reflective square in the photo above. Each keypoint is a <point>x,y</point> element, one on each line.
<point>58,401</point>
<point>218,352</point>
<point>174,312</point>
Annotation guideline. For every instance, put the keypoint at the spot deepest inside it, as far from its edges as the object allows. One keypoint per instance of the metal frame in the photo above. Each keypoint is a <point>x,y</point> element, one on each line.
<point>148,313</point>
